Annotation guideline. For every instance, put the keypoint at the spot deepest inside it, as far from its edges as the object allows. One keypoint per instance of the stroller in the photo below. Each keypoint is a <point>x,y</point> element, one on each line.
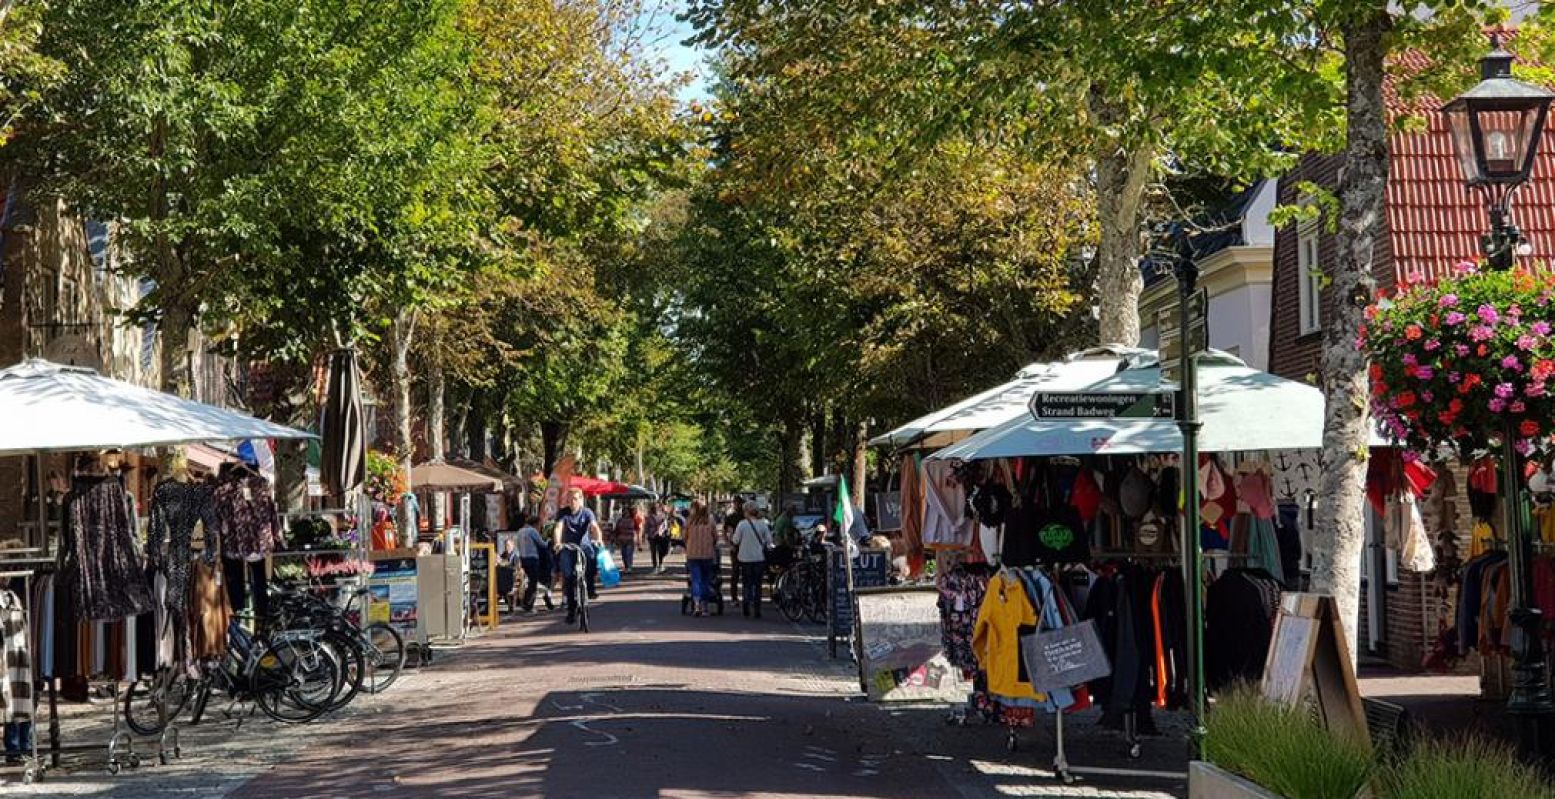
<point>717,601</point>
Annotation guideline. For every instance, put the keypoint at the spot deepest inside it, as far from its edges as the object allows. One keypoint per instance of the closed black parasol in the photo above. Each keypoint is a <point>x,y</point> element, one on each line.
<point>344,465</point>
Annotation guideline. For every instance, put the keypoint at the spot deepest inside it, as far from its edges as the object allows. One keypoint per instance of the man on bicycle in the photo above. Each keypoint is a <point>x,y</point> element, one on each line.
<point>577,525</point>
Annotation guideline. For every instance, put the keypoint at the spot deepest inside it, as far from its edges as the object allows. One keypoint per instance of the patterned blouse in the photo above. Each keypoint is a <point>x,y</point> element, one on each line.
<point>250,521</point>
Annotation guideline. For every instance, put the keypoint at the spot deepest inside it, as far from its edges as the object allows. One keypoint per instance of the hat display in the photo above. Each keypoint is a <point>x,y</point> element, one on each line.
<point>1136,493</point>
<point>1086,495</point>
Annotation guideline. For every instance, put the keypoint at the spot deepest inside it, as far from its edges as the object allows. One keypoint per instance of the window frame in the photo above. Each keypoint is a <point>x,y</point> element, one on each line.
<point>1309,260</point>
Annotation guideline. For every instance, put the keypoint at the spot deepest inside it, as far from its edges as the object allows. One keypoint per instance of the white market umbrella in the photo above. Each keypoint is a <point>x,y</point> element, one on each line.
<point>1004,403</point>
<point>46,407</point>
<point>1242,409</point>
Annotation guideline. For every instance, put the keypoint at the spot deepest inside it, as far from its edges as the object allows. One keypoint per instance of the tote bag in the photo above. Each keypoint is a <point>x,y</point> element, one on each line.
<point>1065,657</point>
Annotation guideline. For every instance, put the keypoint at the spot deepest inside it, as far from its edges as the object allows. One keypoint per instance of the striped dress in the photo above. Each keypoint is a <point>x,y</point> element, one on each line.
<point>16,683</point>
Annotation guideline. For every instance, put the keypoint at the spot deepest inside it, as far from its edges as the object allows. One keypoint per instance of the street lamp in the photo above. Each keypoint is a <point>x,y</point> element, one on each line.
<point>1496,130</point>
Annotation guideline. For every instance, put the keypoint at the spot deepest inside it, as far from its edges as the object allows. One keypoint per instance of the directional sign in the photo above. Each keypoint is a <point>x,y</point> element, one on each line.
<point>1054,405</point>
<point>1170,332</point>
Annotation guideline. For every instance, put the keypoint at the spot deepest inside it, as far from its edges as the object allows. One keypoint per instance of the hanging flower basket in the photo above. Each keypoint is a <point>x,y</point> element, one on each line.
<point>1453,360</point>
<point>385,483</point>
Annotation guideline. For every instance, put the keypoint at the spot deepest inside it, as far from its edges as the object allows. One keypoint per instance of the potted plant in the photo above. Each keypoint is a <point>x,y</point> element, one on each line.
<point>1256,749</point>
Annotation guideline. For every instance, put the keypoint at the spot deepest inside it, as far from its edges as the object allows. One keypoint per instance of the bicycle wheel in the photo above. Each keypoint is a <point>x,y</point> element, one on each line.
<point>295,680</point>
<point>353,667</point>
<point>384,648</point>
<point>582,599</point>
<point>140,702</point>
<point>789,600</point>
<point>815,597</point>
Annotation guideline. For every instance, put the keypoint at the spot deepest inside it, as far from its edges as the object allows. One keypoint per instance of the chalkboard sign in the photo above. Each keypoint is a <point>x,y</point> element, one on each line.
<point>888,510</point>
<point>483,585</point>
<point>901,650</point>
<point>871,568</point>
<point>1309,664</point>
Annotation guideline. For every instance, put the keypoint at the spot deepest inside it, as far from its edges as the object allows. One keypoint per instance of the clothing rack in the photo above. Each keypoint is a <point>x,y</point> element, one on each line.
<point>33,772</point>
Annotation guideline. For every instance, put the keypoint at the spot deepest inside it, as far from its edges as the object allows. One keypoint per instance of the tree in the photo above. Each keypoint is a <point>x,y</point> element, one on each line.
<point>1136,88</point>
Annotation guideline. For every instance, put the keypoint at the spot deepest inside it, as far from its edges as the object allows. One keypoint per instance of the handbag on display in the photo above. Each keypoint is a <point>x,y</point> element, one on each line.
<point>1065,657</point>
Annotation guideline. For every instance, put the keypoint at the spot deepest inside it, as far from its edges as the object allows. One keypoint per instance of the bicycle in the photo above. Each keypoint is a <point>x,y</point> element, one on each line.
<point>290,675</point>
<point>374,656</point>
<point>580,585</point>
<point>800,590</point>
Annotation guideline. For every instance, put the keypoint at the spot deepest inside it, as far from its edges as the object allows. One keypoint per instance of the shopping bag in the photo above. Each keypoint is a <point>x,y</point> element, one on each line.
<point>609,575</point>
<point>1065,657</point>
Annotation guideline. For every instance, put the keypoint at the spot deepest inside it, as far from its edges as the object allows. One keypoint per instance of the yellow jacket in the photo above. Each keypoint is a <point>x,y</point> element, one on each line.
<point>996,637</point>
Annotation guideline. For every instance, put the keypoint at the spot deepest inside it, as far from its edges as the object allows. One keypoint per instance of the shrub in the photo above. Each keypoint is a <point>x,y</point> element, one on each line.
<point>1463,767</point>
<point>1284,750</point>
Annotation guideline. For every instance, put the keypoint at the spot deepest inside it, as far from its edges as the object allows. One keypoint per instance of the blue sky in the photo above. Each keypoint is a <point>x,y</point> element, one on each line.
<point>666,40</point>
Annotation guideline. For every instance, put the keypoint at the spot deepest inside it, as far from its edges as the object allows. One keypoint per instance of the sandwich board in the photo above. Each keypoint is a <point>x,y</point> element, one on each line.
<point>1309,664</point>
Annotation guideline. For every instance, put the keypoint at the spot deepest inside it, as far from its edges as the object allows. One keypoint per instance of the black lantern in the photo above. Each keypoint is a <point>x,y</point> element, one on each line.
<point>1496,129</point>
<point>1497,124</point>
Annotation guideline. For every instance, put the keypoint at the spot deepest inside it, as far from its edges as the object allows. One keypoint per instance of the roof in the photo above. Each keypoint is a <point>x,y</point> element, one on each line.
<point>1434,220</point>
<point>1225,227</point>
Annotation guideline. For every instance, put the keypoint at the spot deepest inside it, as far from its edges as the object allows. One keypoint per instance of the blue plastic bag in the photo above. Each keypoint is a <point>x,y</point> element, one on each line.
<point>609,575</point>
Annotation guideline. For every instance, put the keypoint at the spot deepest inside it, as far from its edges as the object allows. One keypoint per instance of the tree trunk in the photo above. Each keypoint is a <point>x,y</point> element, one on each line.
<point>173,329</point>
<point>401,332</point>
<point>1122,171</point>
<point>553,442</point>
<point>791,468</point>
<point>1341,532</point>
<point>437,390</point>
<point>818,443</point>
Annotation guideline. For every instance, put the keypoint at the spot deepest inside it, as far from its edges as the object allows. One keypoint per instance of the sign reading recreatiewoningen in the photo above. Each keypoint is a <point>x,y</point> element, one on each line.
<point>1105,405</point>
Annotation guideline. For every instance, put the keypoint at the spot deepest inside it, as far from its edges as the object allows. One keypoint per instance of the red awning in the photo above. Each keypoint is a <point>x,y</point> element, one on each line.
<point>593,487</point>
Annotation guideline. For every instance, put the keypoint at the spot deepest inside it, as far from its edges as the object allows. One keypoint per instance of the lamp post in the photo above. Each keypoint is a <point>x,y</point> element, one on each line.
<point>1496,131</point>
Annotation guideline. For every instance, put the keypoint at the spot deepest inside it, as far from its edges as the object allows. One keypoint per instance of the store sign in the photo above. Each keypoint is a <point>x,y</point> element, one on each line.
<point>871,569</point>
<point>1047,406</point>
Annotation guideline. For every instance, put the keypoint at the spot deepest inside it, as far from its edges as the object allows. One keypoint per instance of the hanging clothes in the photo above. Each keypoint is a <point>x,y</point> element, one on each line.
<point>945,522</point>
<point>100,563</point>
<point>1005,614</point>
<point>1240,608</point>
<point>912,511</point>
<point>16,701</point>
<point>209,613</point>
<point>250,520</point>
<point>961,592</point>
<point>177,508</point>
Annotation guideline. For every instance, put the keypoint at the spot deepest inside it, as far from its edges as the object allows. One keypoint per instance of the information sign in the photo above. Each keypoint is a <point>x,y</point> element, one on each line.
<point>871,569</point>
<point>1102,405</point>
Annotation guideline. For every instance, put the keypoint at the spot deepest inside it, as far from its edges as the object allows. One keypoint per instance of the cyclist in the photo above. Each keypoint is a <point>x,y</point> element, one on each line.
<point>577,525</point>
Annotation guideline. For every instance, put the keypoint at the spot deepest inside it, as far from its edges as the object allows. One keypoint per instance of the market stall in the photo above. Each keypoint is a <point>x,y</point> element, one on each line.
<point>1069,518</point>
<point>151,608</point>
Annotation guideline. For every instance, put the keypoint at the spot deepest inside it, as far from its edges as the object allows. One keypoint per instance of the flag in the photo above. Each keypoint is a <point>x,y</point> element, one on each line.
<point>561,475</point>
<point>844,514</point>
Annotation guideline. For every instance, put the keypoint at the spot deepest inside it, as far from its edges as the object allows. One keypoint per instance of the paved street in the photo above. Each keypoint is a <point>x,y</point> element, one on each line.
<point>651,704</point>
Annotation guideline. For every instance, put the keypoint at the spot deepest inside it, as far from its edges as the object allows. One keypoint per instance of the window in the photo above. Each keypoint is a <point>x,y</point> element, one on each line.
<point>1310,278</point>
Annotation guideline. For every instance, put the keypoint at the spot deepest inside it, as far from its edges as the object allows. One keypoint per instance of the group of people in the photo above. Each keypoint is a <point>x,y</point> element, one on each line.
<point>632,532</point>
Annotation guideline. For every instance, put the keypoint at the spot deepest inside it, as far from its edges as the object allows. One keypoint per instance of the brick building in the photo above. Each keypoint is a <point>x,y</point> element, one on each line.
<point>1433,222</point>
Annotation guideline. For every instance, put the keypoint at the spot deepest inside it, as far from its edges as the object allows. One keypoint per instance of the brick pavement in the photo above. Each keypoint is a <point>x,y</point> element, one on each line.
<point>650,704</point>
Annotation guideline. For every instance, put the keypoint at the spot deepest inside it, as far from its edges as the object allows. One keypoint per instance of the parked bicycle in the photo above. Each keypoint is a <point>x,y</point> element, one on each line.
<point>800,590</point>
<point>373,656</point>
<point>290,675</point>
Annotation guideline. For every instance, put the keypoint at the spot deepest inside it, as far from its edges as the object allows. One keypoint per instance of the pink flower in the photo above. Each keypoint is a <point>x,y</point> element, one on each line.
<point>1447,301</point>
<point>1526,342</point>
<point>1511,362</point>
<point>1453,319</point>
<point>1432,345</point>
<point>1496,405</point>
<point>1517,406</point>
<point>1522,446</point>
<point>1465,268</point>
<point>1454,377</point>
<point>1409,359</point>
<point>1514,312</point>
<point>1481,333</point>
<point>1461,349</point>
<point>1487,314</point>
<point>1425,372</point>
<point>1427,396</point>
<point>1534,390</point>
<point>1505,390</point>
<point>1540,328</point>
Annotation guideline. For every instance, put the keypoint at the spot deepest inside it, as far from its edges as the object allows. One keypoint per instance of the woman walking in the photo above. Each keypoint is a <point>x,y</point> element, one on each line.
<point>752,539</point>
<point>657,529</point>
<point>701,556</point>
<point>628,530</point>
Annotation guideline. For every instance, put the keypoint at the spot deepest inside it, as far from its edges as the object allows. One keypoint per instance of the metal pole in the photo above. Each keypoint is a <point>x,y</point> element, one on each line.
<point>1188,422</point>
<point>1529,701</point>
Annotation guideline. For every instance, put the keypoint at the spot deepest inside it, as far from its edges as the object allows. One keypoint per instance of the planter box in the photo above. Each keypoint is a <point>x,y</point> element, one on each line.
<point>1209,781</point>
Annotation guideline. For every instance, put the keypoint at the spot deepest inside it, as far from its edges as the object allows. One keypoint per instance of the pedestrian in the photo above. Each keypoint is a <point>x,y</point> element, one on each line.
<point>701,557</point>
<point>509,560</point>
<point>579,526</point>
<point>626,532</point>
<point>752,539</point>
<point>534,559</point>
<point>657,529</point>
<point>731,520</point>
